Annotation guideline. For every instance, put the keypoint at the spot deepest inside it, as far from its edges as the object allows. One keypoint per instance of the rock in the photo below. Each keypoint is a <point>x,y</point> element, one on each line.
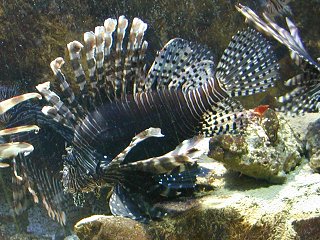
<point>313,144</point>
<point>110,227</point>
<point>267,150</point>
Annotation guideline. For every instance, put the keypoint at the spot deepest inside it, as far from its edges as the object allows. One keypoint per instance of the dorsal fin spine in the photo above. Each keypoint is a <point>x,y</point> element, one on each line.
<point>129,55</point>
<point>121,30</point>
<point>54,99</point>
<point>90,45</point>
<point>64,85</point>
<point>99,33</point>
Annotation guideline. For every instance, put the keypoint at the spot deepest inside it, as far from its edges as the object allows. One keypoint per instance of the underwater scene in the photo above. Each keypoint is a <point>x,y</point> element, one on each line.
<point>159,119</point>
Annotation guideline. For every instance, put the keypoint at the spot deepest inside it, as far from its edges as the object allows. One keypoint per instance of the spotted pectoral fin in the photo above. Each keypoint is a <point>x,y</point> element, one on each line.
<point>228,116</point>
<point>181,64</point>
<point>179,179</point>
<point>127,203</point>
<point>305,94</point>
<point>248,64</point>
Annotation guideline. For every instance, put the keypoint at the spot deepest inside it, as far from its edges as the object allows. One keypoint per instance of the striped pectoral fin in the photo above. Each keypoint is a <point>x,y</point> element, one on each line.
<point>227,116</point>
<point>11,102</point>
<point>185,153</point>
<point>127,203</point>
<point>44,188</point>
<point>248,65</point>
<point>52,195</point>
<point>21,186</point>
<point>150,132</point>
<point>19,194</point>
<point>158,165</point>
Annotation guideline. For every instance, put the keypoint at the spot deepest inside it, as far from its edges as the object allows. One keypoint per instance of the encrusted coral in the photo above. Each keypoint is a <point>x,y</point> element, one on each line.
<point>268,149</point>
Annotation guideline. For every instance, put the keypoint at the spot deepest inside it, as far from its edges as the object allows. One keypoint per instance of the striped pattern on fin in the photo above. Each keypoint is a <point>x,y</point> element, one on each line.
<point>7,104</point>
<point>150,132</point>
<point>127,203</point>
<point>19,195</point>
<point>180,64</point>
<point>291,40</point>
<point>306,94</point>
<point>228,116</point>
<point>41,186</point>
<point>114,69</point>
<point>247,65</point>
<point>185,153</point>
<point>305,97</point>
<point>7,92</point>
<point>64,85</point>
<point>78,171</point>
<point>54,99</point>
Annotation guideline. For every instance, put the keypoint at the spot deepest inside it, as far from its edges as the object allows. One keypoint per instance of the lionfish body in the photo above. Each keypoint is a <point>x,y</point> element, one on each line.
<point>112,126</point>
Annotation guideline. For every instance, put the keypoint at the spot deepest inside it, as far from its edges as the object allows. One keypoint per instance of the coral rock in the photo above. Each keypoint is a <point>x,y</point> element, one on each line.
<point>268,149</point>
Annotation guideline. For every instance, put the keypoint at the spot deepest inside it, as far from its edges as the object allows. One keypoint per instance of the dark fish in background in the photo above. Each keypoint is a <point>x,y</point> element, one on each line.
<point>122,124</point>
<point>305,96</point>
<point>275,8</point>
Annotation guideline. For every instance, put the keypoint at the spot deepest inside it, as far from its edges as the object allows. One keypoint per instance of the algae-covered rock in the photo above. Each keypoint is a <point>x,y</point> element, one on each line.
<point>110,227</point>
<point>268,149</point>
<point>313,144</point>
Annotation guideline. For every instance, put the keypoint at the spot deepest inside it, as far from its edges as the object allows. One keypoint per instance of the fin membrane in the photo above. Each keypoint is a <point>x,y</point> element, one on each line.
<point>248,65</point>
<point>228,116</point>
<point>127,203</point>
<point>181,65</point>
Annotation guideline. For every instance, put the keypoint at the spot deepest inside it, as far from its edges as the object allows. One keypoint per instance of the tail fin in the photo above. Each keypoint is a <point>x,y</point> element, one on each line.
<point>248,65</point>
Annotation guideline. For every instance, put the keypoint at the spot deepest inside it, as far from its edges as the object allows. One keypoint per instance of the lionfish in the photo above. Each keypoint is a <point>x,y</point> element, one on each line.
<point>119,126</point>
<point>305,96</point>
